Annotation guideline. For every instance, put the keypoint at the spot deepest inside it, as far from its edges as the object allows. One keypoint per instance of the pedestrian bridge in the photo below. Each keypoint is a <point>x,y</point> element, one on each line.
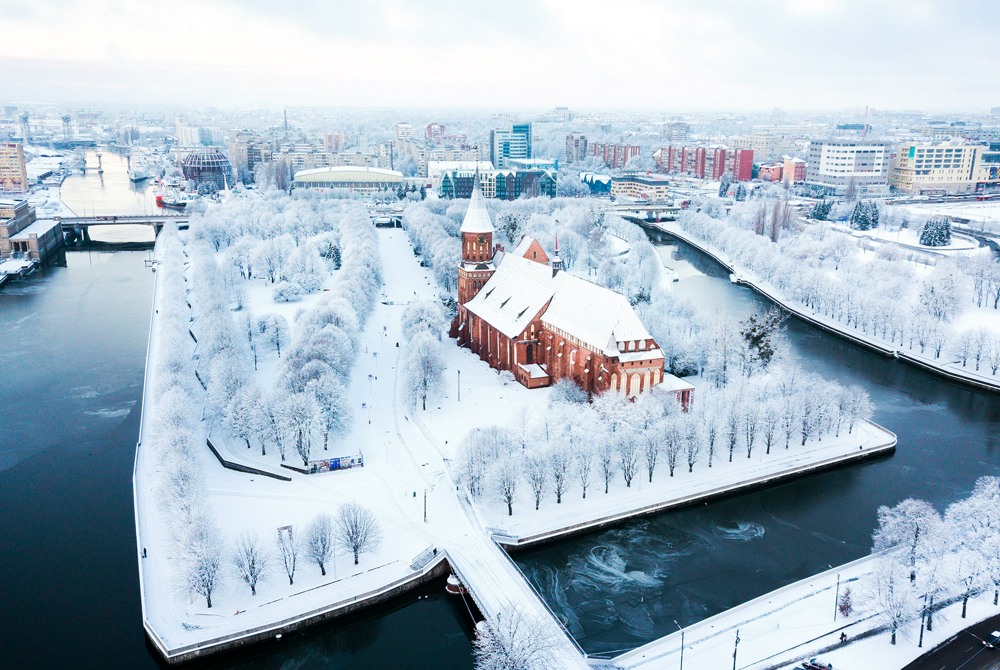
<point>79,226</point>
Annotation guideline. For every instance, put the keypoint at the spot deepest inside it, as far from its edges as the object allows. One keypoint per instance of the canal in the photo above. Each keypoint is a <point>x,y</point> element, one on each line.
<point>72,361</point>
<point>619,588</point>
<point>71,373</point>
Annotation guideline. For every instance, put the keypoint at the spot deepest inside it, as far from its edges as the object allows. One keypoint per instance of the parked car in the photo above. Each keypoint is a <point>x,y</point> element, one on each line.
<point>993,641</point>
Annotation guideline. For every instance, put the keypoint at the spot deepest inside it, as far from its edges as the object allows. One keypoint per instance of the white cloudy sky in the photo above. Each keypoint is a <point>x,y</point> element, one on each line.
<point>665,55</point>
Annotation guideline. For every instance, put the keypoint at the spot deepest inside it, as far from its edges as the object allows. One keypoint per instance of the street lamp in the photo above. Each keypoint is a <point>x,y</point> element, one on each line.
<point>459,386</point>
<point>735,647</point>
<point>682,642</point>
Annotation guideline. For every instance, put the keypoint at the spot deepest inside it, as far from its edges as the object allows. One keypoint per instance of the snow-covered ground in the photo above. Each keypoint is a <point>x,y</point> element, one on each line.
<point>683,488</point>
<point>798,622</point>
<point>948,362</point>
<point>407,454</point>
<point>981,215</point>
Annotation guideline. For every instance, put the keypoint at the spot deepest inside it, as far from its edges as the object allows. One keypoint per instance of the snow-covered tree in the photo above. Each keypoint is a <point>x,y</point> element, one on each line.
<point>936,233</point>
<point>243,416</point>
<point>357,529</point>
<point>423,369</point>
<point>504,477</point>
<point>537,474</point>
<point>289,547</point>
<point>203,558</point>
<point>514,640</point>
<point>250,560</point>
<point>319,540</point>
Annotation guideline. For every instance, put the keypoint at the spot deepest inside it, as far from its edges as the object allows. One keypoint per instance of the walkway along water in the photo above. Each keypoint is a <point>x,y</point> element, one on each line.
<point>747,278</point>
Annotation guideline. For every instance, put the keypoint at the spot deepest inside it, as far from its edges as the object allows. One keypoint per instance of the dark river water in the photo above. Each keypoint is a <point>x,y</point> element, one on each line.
<point>71,369</point>
<point>619,588</point>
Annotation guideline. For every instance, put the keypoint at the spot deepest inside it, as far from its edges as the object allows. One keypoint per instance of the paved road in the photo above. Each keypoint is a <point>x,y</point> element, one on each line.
<point>964,652</point>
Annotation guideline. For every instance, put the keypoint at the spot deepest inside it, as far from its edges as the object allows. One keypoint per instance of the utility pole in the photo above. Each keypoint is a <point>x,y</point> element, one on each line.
<point>923,618</point>
<point>682,642</point>
<point>459,386</point>
<point>836,598</point>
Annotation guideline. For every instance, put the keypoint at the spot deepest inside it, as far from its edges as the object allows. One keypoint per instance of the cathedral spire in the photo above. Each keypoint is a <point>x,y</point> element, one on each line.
<point>477,218</point>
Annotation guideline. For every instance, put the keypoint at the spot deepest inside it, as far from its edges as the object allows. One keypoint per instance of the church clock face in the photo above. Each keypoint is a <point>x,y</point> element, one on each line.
<point>481,240</point>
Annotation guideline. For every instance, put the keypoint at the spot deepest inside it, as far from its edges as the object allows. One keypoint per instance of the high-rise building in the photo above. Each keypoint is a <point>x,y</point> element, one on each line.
<point>842,166</point>
<point>576,147</point>
<point>614,155</point>
<point>943,167</point>
<point>677,132</point>
<point>513,143</point>
<point>705,162</point>
<point>404,131</point>
<point>434,132</point>
<point>13,175</point>
<point>334,141</point>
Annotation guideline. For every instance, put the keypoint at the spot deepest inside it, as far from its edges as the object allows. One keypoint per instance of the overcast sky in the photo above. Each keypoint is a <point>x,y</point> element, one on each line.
<point>697,55</point>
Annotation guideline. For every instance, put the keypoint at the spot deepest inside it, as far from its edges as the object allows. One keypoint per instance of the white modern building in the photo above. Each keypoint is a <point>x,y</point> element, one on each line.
<point>841,166</point>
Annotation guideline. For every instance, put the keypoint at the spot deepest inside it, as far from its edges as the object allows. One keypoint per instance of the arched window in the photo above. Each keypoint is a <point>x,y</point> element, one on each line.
<point>633,387</point>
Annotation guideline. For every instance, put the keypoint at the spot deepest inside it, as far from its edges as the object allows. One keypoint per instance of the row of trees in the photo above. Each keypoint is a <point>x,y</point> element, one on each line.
<point>810,267</point>
<point>585,240</point>
<point>252,561</point>
<point>576,445</point>
<point>930,560</point>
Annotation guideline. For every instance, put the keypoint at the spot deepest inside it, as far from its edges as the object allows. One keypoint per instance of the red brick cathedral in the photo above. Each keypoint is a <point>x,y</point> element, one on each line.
<point>519,311</point>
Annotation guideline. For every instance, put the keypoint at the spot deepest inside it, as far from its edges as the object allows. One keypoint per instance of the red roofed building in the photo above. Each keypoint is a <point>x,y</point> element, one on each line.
<point>520,311</point>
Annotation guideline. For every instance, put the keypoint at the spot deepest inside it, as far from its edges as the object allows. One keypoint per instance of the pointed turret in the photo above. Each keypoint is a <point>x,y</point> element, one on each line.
<point>556,262</point>
<point>476,266</point>
<point>477,218</point>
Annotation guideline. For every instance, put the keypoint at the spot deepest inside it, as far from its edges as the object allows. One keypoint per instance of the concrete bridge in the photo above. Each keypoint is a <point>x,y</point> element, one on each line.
<point>80,225</point>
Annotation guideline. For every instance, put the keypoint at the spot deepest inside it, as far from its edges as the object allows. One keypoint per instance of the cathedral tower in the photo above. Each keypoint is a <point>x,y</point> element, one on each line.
<point>476,266</point>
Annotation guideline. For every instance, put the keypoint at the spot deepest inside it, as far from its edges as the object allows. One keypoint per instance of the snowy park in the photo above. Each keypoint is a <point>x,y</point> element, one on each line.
<point>326,340</point>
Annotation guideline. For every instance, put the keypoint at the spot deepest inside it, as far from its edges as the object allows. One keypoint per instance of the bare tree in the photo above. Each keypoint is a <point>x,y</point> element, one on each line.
<point>694,444</point>
<point>204,558</point>
<point>605,453</point>
<point>355,526</point>
<point>289,547</point>
<point>671,446</point>
<point>514,640</point>
<point>251,560</point>
<point>504,477</point>
<point>651,445</point>
<point>560,463</point>
<point>319,540</point>
<point>274,328</point>
<point>751,421</point>
<point>894,599</point>
<point>583,463</point>
<point>628,454</point>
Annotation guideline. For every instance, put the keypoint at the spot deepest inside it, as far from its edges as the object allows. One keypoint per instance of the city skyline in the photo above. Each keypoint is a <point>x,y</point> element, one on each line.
<point>794,56</point>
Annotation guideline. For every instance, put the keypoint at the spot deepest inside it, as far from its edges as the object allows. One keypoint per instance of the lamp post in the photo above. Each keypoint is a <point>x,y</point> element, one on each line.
<point>735,647</point>
<point>459,385</point>
<point>836,598</point>
<point>682,642</point>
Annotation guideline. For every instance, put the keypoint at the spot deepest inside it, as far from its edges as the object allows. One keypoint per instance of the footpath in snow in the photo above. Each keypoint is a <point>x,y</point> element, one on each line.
<point>800,622</point>
<point>951,369</point>
<point>406,481</point>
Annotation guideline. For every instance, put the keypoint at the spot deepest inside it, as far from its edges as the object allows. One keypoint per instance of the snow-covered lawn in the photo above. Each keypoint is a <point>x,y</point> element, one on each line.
<point>968,317</point>
<point>576,512</point>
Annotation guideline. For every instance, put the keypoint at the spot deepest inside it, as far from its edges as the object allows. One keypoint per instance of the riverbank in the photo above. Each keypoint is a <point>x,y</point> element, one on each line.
<point>951,370</point>
<point>801,621</point>
<point>529,527</point>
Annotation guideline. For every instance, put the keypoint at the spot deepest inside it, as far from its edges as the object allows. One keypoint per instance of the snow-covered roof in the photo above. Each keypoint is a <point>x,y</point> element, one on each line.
<point>522,247</point>
<point>672,383</point>
<point>514,295</point>
<point>477,219</point>
<point>346,172</point>
<point>596,315</point>
<point>39,228</point>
